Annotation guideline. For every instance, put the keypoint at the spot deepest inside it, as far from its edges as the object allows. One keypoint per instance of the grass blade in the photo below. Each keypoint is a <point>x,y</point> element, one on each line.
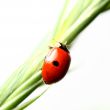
<point>107,7</point>
<point>19,98</point>
<point>31,81</point>
<point>79,7</point>
<point>26,104</point>
<point>86,17</point>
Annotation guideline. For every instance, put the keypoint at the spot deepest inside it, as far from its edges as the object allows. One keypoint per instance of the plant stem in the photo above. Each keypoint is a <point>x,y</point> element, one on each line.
<point>86,17</point>
<point>31,81</point>
<point>26,104</point>
<point>74,14</point>
<point>19,98</point>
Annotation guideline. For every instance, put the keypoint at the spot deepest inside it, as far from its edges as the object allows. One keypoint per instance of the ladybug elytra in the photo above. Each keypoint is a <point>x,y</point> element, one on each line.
<point>56,64</point>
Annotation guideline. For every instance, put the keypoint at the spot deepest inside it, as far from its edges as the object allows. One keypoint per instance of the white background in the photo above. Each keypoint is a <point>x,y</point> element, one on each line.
<point>87,84</point>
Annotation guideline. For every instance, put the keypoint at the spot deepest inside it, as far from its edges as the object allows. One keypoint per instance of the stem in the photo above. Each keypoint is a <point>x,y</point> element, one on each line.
<point>89,14</point>
<point>23,73</point>
<point>107,7</point>
<point>26,104</point>
<point>31,81</point>
<point>18,99</point>
<point>79,7</point>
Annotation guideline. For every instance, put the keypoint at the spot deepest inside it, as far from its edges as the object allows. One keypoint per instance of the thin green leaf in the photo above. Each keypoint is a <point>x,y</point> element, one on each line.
<point>60,18</point>
<point>31,81</point>
<point>86,17</point>
<point>79,7</point>
<point>24,72</point>
<point>107,7</point>
<point>19,98</point>
<point>26,104</point>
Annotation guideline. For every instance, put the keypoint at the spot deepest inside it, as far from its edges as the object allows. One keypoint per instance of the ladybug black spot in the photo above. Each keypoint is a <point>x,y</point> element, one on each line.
<point>55,63</point>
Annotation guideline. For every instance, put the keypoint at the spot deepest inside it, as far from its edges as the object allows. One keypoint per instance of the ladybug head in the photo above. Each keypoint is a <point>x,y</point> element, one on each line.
<point>62,46</point>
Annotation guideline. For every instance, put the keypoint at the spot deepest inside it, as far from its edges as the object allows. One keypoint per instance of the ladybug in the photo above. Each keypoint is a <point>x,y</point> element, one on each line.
<point>56,64</point>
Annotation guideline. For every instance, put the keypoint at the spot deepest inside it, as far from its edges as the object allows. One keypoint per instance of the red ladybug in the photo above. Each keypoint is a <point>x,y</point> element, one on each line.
<point>56,64</point>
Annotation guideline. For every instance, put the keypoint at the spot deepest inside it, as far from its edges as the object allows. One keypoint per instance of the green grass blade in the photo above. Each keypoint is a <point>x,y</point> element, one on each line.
<point>19,98</point>
<point>107,7</point>
<point>86,17</point>
<point>10,83</point>
<point>24,72</point>
<point>60,18</point>
<point>26,104</point>
<point>79,7</point>
<point>31,81</point>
